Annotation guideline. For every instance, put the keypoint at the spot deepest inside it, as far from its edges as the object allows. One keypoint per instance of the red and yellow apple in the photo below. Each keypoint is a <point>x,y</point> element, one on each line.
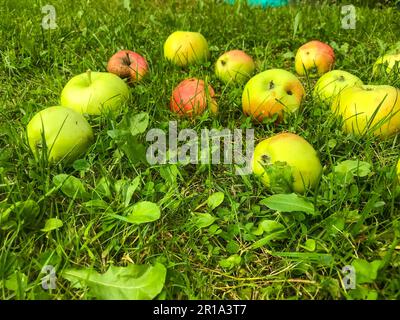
<point>234,66</point>
<point>184,48</point>
<point>67,134</point>
<point>332,83</point>
<point>274,91</point>
<point>285,163</point>
<point>314,57</point>
<point>128,64</point>
<point>95,92</point>
<point>192,97</point>
<point>374,108</point>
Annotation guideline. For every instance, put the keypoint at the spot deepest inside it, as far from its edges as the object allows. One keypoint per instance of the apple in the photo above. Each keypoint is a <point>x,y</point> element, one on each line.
<point>369,107</point>
<point>234,66</point>
<point>314,57</point>
<point>398,170</point>
<point>128,64</point>
<point>67,134</point>
<point>184,48</point>
<point>386,63</point>
<point>95,92</point>
<point>191,97</point>
<point>332,83</point>
<point>285,163</point>
<point>272,92</point>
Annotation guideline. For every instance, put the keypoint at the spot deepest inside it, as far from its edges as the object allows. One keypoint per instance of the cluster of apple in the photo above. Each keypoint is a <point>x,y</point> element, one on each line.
<point>66,134</point>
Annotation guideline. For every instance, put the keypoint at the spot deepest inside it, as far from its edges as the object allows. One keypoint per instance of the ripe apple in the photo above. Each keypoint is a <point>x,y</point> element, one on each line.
<point>369,107</point>
<point>191,97</point>
<point>386,63</point>
<point>95,92</point>
<point>314,57</point>
<point>398,170</point>
<point>128,64</point>
<point>185,47</point>
<point>332,83</point>
<point>67,134</point>
<point>234,66</point>
<point>286,162</point>
<point>270,92</point>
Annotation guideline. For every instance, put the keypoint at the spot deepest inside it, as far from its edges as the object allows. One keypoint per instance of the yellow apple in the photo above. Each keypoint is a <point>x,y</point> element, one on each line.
<point>332,83</point>
<point>66,133</point>
<point>365,108</point>
<point>386,63</point>
<point>274,91</point>
<point>234,66</point>
<point>314,57</point>
<point>286,162</point>
<point>184,48</point>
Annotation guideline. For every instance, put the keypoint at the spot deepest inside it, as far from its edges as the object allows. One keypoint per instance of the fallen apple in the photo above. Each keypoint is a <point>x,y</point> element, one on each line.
<point>285,163</point>
<point>67,134</point>
<point>184,48</point>
<point>234,66</point>
<point>332,83</point>
<point>386,63</point>
<point>95,92</point>
<point>314,58</point>
<point>191,97</point>
<point>274,91</point>
<point>374,108</point>
<point>128,64</point>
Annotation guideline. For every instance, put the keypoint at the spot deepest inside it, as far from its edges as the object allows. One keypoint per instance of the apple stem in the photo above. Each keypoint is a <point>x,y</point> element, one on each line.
<point>89,73</point>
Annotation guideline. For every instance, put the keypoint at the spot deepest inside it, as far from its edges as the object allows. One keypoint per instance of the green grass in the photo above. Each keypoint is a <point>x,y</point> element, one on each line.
<point>357,219</point>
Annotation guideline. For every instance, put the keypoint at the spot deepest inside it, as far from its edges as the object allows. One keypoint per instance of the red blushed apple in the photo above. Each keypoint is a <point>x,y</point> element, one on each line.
<point>191,97</point>
<point>128,64</point>
<point>314,57</point>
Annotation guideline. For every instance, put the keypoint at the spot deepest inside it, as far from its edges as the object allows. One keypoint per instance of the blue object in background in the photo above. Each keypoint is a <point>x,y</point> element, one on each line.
<point>264,3</point>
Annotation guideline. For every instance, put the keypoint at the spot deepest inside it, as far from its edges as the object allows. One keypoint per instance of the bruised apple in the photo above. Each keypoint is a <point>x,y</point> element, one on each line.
<point>128,64</point>
<point>285,163</point>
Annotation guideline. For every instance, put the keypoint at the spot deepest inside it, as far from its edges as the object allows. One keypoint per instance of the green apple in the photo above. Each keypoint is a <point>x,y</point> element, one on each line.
<point>184,48</point>
<point>365,108</point>
<point>67,134</point>
<point>332,83</point>
<point>386,63</point>
<point>95,92</point>
<point>286,162</point>
<point>314,57</point>
<point>234,66</point>
<point>398,170</point>
<point>274,91</point>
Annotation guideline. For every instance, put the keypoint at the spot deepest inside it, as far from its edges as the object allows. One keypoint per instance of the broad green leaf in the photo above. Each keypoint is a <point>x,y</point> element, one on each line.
<point>138,123</point>
<point>143,212</point>
<point>70,186</point>
<point>52,224</point>
<point>268,226</point>
<point>288,203</point>
<point>353,168</point>
<point>215,200</point>
<point>230,262</point>
<point>203,220</point>
<point>103,187</point>
<point>310,245</point>
<point>366,272</point>
<point>134,282</point>
<point>296,23</point>
<point>18,283</point>
<point>22,210</point>
<point>81,165</point>
<point>279,235</point>
<point>117,134</point>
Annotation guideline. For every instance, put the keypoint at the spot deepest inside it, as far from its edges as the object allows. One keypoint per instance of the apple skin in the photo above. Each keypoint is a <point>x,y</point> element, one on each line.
<point>234,66</point>
<point>185,48</point>
<point>357,106</point>
<point>293,163</point>
<point>270,92</point>
<point>388,60</point>
<point>191,98</point>
<point>314,55</point>
<point>67,133</point>
<point>398,170</point>
<point>332,83</point>
<point>95,92</point>
<point>128,64</point>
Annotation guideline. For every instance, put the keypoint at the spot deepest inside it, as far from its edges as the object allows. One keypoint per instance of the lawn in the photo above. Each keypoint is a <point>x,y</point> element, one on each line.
<point>209,237</point>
